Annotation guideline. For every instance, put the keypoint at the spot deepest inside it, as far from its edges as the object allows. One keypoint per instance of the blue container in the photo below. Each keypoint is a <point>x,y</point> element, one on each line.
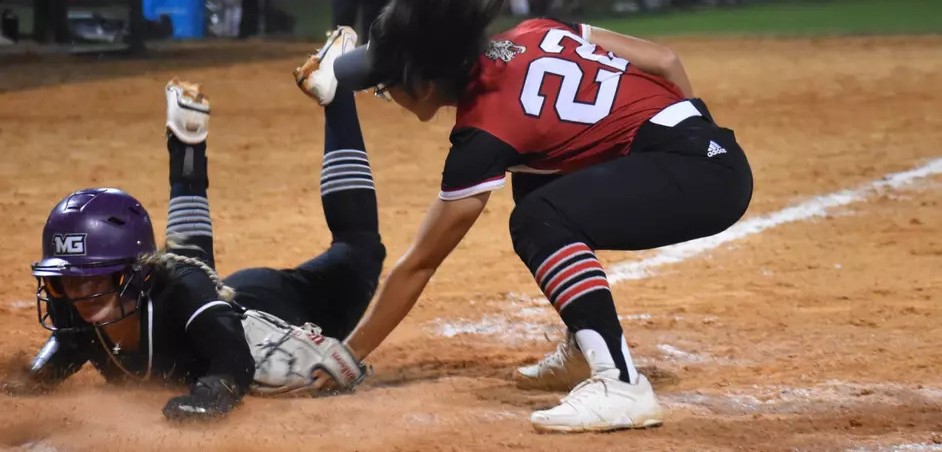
<point>186,15</point>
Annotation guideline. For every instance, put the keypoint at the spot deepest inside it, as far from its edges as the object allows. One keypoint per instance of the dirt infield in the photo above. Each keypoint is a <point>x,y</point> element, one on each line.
<point>819,332</point>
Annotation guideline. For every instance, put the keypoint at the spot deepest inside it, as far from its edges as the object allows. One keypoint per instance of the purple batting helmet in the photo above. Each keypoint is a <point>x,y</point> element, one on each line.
<point>92,232</point>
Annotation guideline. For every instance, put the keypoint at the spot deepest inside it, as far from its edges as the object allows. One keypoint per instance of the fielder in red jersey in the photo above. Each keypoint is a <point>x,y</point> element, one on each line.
<point>608,149</point>
<point>558,100</point>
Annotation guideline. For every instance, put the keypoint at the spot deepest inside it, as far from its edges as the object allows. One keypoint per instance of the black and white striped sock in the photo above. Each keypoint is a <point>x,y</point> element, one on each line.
<point>188,216</point>
<point>188,213</point>
<point>346,169</point>
<point>347,189</point>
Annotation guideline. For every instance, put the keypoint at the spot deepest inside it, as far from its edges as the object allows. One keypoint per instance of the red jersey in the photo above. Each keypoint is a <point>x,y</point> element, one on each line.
<point>546,100</point>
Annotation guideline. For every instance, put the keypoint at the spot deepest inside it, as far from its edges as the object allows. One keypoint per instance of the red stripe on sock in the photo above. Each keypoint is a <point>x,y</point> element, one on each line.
<point>573,293</point>
<point>561,277</point>
<point>557,257</point>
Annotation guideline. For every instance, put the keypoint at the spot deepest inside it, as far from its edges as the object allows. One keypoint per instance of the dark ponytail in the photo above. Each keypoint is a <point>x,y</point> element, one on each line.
<point>418,41</point>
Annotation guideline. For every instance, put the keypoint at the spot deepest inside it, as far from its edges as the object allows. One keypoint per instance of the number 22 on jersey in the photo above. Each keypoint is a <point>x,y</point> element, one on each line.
<point>567,107</point>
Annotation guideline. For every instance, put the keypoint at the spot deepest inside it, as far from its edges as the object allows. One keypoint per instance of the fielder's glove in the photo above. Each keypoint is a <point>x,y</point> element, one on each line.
<point>210,397</point>
<point>287,357</point>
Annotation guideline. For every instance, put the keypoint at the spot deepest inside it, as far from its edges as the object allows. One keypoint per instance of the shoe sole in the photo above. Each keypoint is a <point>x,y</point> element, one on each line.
<point>650,423</point>
<point>193,94</point>
<point>313,63</point>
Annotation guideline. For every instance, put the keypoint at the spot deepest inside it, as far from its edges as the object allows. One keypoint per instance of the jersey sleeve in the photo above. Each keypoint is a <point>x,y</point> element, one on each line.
<point>212,326</point>
<point>476,163</point>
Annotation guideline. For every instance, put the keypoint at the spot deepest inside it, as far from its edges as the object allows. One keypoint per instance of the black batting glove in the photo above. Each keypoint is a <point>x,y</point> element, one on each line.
<point>211,397</point>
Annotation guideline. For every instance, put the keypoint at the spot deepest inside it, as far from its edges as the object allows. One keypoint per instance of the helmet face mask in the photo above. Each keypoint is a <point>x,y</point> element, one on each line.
<point>92,239</point>
<point>58,311</point>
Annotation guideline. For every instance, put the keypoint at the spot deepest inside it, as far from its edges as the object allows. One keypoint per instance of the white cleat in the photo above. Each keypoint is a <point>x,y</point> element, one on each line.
<point>187,111</point>
<point>561,370</point>
<point>600,404</point>
<point>316,76</point>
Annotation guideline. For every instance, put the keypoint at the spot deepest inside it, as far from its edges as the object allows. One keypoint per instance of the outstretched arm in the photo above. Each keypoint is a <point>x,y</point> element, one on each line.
<point>213,331</point>
<point>445,224</point>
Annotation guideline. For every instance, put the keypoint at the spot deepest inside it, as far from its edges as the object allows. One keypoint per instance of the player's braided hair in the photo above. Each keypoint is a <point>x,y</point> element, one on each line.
<point>439,41</point>
<point>165,259</point>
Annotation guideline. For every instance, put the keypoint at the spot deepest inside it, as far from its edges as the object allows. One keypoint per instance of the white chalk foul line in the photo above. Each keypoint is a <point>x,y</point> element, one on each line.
<point>911,447</point>
<point>825,396</point>
<point>817,206</point>
<point>814,207</point>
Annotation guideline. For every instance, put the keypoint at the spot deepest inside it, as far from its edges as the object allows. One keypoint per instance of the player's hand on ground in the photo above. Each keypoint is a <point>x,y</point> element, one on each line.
<point>210,398</point>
